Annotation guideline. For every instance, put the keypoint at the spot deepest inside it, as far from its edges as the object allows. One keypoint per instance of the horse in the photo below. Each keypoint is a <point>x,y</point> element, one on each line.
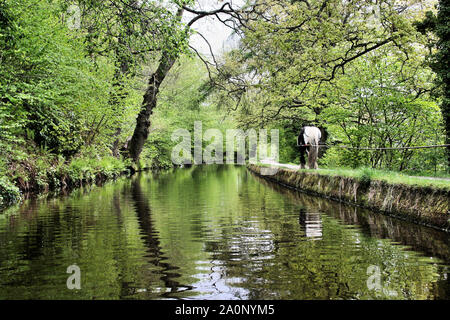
<point>308,142</point>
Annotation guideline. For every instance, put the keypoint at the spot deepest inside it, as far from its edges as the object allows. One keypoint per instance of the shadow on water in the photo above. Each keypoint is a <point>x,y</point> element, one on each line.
<point>143,211</point>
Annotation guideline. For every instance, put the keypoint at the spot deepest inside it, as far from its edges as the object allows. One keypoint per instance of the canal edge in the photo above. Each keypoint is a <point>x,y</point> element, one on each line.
<point>425,206</point>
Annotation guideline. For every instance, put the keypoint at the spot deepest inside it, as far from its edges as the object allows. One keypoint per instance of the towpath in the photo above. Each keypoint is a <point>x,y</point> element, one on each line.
<point>296,167</point>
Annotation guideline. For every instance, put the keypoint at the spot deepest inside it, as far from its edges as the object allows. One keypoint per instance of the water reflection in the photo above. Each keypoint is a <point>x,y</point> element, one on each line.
<point>311,223</point>
<point>428,241</point>
<point>213,232</point>
<point>155,254</point>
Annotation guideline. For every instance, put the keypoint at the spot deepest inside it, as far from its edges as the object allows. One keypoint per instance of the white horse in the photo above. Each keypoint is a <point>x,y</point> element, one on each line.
<point>308,142</point>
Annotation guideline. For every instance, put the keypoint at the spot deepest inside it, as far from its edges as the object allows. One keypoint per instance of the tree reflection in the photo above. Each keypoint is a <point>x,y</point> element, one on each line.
<point>214,232</point>
<point>143,210</point>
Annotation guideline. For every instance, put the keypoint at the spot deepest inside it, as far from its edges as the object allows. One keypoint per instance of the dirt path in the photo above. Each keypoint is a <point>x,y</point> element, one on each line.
<point>431,178</point>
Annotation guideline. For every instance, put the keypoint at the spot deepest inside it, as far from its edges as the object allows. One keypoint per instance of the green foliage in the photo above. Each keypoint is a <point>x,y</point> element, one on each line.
<point>46,80</point>
<point>377,105</point>
<point>69,97</point>
<point>183,101</point>
<point>9,193</point>
<point>356,68</point>
<point>286,58</point>
<point>129,30</point>
<point>55,100</point>
<point>289,151</point>
<point>439,25</point>
<point>87,169</point>
<point>366,176</point>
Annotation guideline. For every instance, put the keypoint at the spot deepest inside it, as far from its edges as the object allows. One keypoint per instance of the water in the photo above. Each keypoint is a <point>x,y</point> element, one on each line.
<point>214,232</point>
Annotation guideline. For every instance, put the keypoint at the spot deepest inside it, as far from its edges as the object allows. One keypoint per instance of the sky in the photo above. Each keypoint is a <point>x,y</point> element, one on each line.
<point>218,35</point>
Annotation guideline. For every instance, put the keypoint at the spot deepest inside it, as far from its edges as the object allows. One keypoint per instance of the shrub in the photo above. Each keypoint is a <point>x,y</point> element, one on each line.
<point>9,193</point>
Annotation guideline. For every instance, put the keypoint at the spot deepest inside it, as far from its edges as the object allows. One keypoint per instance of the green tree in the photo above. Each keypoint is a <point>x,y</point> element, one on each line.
<point>296,57</point>
<point>182,101</point>
<point>47,85</point>
<point>290,50</point>
<point>168,57</point>
<point>440,25</point>
<point>378,105</point>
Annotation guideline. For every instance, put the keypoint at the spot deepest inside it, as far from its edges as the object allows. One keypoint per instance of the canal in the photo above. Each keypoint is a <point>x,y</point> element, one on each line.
<point>214,232</point>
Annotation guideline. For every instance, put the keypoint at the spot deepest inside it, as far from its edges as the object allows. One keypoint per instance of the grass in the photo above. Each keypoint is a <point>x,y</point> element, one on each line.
<point>392,177</point>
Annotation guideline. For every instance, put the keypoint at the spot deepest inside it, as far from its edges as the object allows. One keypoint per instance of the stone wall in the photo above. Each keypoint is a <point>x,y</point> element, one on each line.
<point>424,205</point>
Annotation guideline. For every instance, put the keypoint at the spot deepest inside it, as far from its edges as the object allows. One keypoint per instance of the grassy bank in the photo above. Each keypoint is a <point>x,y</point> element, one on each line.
<point>36,174</point>
<point>391,177</point>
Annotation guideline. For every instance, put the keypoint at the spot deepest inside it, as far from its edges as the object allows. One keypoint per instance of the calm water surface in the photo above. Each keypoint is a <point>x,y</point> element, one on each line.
<point>214,232</point>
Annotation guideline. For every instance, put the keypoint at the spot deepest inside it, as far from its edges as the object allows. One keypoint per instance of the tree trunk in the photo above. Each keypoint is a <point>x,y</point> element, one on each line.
<point>142,128</point>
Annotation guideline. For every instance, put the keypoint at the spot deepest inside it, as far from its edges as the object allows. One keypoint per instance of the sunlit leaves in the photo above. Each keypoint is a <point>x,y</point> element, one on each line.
<point>296,48</point>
